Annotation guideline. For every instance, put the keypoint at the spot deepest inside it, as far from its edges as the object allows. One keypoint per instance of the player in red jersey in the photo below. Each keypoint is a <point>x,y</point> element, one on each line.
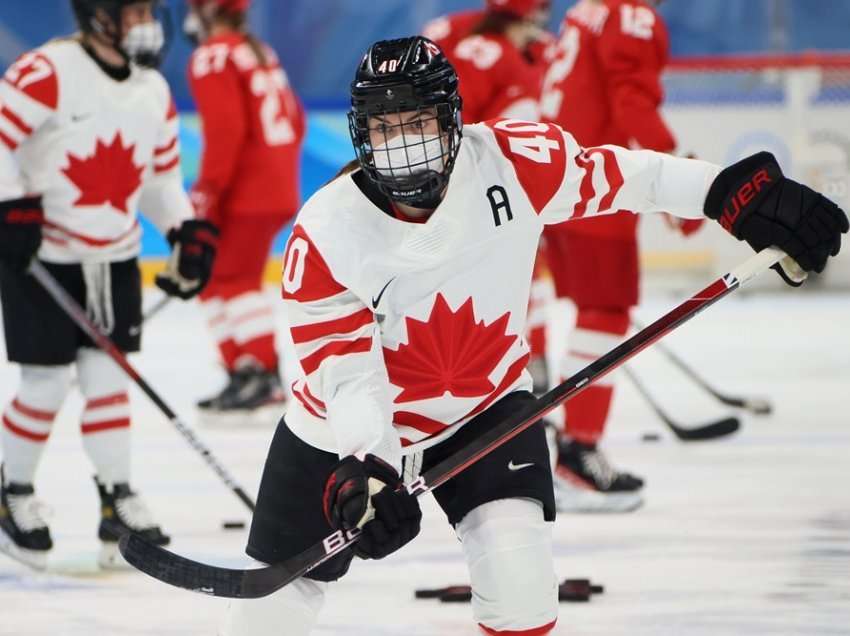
<point>499,54</point>
<point>248,186</point>
<point>604,87</point>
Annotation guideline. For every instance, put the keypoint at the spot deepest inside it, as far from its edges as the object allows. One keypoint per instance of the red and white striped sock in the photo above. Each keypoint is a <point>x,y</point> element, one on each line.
<point>105,423</point>
<point>219,326</point>
<point>28,420</point>
<point>251,319</point>
<point>596,333</point>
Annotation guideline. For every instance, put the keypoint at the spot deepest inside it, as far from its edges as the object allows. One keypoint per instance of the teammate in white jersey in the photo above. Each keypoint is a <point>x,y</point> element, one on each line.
<point>406,285</point>
<point>88,134</point>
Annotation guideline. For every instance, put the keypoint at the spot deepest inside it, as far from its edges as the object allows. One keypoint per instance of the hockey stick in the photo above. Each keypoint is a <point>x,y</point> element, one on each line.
<point>209,579</point>
<point>158,306</point>
<point>758,406</point>
<point>713,430</point>
<point>71,307</point>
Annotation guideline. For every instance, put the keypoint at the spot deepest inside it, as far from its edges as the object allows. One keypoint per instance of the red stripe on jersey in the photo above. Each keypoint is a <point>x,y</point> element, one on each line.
<point>511,376</point>
<point>108,400</point>
<point>7,141</point>
<point>586,190</point>
<point>419,422</point>
<point>22,432</point>
<point>316,400</point>
<point>163,149</point>
<point>166,167</point>
<point>172,110</point>
<point>36,414</point>
<point>336,348</point>
<point>309,407</point>
<point>306,275</point>
<point>612,175</point>
<point>16,121</point>
<point>306,333</point>
<point>90,240</point>
<point>534,631</point>
<point>107,425</point>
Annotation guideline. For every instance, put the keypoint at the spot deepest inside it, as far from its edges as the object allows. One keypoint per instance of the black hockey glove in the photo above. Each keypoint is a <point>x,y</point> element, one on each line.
<point>193,248</point>
<point>756,203</point>
<point>368,495</point>
<point>20,231</point>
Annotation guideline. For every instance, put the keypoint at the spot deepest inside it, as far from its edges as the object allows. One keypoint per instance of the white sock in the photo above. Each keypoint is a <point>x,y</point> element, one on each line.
<point>291,611</point>
<point>28,420</point>
<point>105,422</point>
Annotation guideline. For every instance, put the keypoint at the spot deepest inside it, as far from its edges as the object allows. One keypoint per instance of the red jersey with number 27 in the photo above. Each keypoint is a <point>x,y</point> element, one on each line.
<point>404,331</point>
<point>253,127</point>
<point>604,85</point>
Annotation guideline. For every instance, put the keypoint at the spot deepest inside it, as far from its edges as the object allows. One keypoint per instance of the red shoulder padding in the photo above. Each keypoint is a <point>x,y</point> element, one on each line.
<point>306,275</point>
<point>538,155</point>
<point>33,74</point>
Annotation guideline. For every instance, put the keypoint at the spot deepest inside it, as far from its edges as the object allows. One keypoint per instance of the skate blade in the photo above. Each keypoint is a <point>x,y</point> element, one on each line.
<point>35,559</point>
<point>110,558</point>
<point>260,418</point>
<point>575,499</point>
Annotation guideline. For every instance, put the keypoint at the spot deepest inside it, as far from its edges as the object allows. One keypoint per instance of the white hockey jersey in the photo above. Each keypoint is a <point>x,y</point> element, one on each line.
<point>95,148</point>
<point>405,331</point>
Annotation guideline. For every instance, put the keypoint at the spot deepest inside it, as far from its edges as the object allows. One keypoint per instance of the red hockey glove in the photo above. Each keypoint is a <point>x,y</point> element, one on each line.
<point>368,495</point>
<point>756,203</point>
<point>20,231</point>
<point>193,248</point>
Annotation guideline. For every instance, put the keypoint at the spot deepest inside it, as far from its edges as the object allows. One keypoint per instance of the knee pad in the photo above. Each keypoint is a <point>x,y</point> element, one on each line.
<point>292,611</point>
<point>508,549</point>
<point>44,387</point>
<point>99,375</point>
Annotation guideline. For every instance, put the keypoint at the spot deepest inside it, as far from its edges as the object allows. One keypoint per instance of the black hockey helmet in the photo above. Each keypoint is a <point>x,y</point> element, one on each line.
<point>407,163</point>
<point>146,48</point>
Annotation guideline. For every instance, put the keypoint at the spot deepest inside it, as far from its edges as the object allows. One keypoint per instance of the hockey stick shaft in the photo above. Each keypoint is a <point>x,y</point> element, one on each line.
<point>199,577</point>
<point>713,430</point>
<point>753,404</point>
<point>71,307</point>
<point>161,304</point>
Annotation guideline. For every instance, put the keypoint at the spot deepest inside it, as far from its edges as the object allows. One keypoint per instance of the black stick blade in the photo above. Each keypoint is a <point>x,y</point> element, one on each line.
<point>721,428</point>
<point>179,571</point>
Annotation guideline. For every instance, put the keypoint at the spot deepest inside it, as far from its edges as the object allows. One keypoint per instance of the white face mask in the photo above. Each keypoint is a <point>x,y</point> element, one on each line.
<point>144,41</point>
<point>395,159</point>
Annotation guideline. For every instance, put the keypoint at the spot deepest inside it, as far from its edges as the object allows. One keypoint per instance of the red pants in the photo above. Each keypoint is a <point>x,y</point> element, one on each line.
<point>239,315</point>
<point>594,262</point>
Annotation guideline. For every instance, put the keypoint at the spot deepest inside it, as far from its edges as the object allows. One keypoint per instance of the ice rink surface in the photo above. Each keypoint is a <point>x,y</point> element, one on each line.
<point>745,536</point>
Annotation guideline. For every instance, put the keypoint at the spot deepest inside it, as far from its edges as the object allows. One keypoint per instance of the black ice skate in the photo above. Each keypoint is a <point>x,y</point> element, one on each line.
<point>253,396</point>
<point>122,512</point>
<point>24,535</point>
<point>586,482</point>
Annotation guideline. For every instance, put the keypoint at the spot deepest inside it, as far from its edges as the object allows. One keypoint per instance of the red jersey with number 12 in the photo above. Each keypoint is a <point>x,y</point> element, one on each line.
<point>253,129</point>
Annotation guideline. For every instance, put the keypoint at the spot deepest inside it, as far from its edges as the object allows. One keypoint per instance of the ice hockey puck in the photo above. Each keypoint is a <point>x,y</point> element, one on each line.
<point>651,437</point>
<point>233,525</point>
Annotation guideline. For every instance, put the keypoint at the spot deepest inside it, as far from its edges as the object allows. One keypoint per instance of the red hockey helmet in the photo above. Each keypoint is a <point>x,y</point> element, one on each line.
<point>236,6</point>
<point>519,8</point>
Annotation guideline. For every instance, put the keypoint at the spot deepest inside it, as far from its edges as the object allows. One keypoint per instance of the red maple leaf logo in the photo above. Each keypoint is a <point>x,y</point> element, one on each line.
<point>107,176</point>
<point>450,352</point>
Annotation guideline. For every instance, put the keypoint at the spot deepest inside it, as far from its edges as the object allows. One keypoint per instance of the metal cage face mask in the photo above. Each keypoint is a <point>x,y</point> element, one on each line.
<point>408,154</point>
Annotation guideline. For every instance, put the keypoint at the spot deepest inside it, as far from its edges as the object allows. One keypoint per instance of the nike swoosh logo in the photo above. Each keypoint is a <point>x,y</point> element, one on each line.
<point>134,331</point>
<point>79,118</point>
<point>515,467</point>
<point>376,300</point>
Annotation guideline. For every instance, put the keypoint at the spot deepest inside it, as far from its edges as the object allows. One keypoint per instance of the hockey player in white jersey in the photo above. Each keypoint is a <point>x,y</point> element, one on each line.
<point>88,134</point>
<point>406,283</point>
